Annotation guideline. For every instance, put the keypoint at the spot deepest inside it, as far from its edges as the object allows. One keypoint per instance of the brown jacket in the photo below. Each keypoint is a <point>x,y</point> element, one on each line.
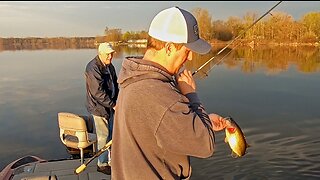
<point>156,128</point>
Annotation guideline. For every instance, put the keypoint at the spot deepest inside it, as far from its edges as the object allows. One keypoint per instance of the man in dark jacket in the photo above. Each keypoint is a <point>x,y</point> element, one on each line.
<point>102,92</point>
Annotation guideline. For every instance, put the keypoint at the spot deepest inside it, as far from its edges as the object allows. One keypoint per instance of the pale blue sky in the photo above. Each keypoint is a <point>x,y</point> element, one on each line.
<point>89,18</point>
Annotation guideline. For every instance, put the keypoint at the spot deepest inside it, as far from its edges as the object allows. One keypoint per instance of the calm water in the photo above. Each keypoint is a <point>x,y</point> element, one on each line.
<point>273,94</point>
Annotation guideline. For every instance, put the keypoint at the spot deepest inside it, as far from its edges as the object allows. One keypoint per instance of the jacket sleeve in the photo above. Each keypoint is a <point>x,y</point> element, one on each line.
<point>95,85</point>
<point>116,86</point>
<point>186,129</point>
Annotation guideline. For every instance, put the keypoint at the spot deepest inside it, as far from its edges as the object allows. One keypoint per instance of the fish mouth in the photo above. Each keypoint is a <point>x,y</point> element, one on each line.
<point>231,130</point>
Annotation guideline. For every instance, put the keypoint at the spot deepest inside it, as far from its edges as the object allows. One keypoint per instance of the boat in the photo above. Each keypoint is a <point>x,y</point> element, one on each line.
<point>79,144</point>
<point>34,168</point>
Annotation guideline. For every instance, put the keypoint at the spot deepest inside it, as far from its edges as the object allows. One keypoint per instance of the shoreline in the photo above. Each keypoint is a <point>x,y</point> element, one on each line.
<point>33,43</point>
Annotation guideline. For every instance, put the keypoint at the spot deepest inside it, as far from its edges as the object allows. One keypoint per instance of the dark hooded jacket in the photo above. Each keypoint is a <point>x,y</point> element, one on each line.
<point>101,88</point>
<point>156,128</point>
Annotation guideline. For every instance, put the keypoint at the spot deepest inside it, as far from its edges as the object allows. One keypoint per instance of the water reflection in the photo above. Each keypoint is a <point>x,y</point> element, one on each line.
<point>272,60</point>
<point>272,93</point>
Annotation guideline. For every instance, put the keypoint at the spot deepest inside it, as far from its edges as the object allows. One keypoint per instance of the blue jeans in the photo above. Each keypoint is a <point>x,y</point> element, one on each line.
<point>103,129</point>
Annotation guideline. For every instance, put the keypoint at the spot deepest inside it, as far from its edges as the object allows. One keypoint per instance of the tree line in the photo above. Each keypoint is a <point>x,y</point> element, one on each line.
<point>32,43</point>
<point>277,28</point>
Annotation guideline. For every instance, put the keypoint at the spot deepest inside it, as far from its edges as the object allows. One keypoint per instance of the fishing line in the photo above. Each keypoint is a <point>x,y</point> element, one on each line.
<point>206,73</point>
<point>243,32</point>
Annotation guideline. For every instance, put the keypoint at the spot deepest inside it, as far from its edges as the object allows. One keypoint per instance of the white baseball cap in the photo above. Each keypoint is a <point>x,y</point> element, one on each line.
<point>178,26</point>
<point>106,48</point>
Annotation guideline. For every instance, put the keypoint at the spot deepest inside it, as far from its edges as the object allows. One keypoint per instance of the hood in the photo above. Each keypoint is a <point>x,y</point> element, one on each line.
<point>136,69</point>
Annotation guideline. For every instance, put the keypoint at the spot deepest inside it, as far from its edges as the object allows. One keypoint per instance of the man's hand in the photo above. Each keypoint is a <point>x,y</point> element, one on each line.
<point>218,122</point>
<point>185,81</point>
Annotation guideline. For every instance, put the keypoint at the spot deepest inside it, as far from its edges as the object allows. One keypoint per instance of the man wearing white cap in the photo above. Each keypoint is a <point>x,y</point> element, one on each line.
<point>102,92</point>
<point>159,119</point>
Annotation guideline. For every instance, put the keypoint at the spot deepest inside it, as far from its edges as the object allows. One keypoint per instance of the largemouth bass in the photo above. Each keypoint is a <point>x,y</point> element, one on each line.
<point>235,138</point>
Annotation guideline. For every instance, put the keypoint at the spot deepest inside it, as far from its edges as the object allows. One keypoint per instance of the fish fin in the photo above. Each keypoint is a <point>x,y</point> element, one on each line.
<point>248,145</point>
<point>225,140</point>
<point>234,155</point>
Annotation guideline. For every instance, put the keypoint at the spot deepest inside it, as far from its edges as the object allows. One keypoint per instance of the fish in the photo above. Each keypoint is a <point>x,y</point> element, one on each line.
<point>236,139</point>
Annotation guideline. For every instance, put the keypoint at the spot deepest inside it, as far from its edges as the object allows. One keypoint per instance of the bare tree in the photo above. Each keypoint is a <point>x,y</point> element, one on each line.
<point>204,22</point>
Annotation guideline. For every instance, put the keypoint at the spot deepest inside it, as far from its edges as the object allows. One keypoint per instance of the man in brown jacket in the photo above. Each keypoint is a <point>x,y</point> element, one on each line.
<point>159,119</point>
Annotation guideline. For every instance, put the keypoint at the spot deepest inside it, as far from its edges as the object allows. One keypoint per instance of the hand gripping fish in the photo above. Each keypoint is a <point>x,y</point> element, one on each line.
<point>235,138</point>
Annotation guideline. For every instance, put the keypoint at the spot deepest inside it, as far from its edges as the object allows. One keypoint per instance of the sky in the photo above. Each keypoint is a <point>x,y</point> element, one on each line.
<point>90,18</point>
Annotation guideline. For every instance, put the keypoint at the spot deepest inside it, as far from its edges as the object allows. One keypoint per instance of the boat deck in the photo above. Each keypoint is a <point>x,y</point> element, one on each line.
<point>59,169</point>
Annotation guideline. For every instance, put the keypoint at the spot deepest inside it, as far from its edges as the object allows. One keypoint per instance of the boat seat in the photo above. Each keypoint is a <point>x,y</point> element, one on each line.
<point>74,132</point>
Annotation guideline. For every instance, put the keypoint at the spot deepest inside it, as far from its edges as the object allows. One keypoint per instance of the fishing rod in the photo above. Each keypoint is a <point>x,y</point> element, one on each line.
<point>243,32</point>
<point>84,165</point>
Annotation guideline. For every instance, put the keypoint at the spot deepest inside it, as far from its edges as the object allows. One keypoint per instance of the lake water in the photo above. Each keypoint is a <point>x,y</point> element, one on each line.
<point>272,93</point>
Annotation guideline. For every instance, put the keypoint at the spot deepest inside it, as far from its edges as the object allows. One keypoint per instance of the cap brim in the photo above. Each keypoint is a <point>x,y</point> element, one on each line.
<point>112,51</point>
<point>200,46</point>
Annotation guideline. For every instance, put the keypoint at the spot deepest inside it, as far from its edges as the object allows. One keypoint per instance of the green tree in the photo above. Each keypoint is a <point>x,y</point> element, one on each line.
<point>126,36</point>
<point>312,22</point>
